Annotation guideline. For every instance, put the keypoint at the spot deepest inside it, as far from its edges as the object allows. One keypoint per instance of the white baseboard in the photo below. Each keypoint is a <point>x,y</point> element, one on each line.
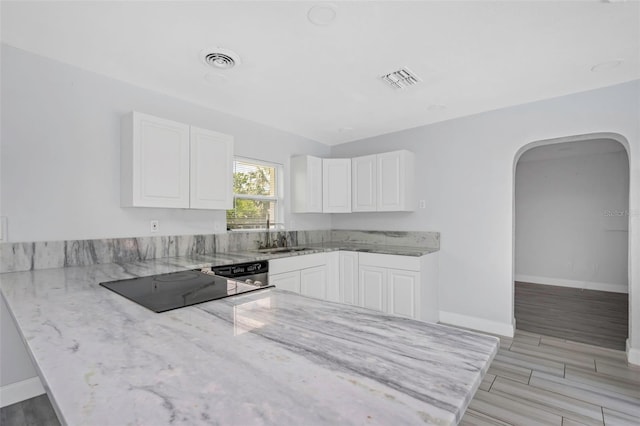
<point>561,282</point>
<point>633,355</point>
<point>475,323</point>
<point>20,391</point>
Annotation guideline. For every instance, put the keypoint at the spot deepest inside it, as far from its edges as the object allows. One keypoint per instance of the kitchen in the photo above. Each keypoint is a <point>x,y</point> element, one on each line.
<point>61,132</point>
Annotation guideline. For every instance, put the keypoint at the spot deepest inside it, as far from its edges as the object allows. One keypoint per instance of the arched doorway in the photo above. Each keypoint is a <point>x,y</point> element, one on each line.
<point>571,242</point>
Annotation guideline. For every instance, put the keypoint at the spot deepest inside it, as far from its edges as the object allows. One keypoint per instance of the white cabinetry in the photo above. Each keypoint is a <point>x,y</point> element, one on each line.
<point>348,278</point>
<point>383,182</point>
<point>286,280</point>
<point>154,162</point>
<point>404,293</point>
<point>305,274</point>
<point>211,176</point>
<point>313,282</point>
<point>372,287</point>
<point>169,164</point>
<point>364,183</point>
<point>306,184</point>
<point>336,185</point>
<point>399,285</point>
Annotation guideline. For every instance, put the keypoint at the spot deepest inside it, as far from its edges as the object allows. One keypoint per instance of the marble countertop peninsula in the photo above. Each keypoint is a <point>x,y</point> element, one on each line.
<point>266,358</point>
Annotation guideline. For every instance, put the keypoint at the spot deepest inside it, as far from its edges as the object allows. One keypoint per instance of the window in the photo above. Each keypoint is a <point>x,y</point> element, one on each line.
<point>256,195</point>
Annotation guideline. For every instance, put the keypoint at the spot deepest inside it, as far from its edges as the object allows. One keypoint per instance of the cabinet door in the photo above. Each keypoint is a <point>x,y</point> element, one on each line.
<point>306,184</point>
<point>349,277</point>
<point>211,170</point>
<point>336,185</point>
<point>154,162</point>
<point>404,293</point>
<point>372,289</point>
<point>333,276</point>
<point>395,181</point>
<point>364,184</point>
<point>286,281</point>
<point>313,282</point>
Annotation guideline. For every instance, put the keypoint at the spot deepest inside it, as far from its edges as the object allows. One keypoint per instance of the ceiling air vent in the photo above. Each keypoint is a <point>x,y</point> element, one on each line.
<point>401,78</point>
<point>220,58</point>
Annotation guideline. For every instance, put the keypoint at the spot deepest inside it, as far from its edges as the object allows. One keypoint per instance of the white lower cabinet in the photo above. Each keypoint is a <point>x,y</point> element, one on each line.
<point>348,277</point>
<point>313,282</point>
<point>406,286</point>
<point>372,288</point>
<point>404,293</point>
<point>306,275</point>
<point>286,281</point>
<point>399,285</point>
<point>393,291</point>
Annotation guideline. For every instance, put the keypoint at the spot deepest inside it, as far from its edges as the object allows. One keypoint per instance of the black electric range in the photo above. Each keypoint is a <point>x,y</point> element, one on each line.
<point>175,290</point>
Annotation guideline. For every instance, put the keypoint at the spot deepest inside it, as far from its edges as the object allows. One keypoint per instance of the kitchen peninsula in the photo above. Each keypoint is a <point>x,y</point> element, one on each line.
<point>269,357</point>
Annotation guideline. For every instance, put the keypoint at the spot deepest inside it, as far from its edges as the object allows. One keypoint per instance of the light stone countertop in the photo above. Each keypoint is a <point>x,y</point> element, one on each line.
<point>266,358</point>
<point>410,251</point>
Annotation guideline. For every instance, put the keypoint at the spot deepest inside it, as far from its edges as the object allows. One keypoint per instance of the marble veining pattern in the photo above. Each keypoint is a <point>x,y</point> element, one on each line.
<point>270,357</point>
<point>28,256</point>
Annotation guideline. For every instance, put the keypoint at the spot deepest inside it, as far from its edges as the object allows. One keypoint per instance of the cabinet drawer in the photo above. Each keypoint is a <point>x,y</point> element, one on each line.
<point>409,263</point>
<point>296,263</point>
<point>286,281</point>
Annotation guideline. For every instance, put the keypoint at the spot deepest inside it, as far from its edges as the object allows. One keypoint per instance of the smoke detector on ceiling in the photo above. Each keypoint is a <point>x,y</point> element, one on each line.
<point>222,59</point>
<point>401,78</point>
<point>322,14</point>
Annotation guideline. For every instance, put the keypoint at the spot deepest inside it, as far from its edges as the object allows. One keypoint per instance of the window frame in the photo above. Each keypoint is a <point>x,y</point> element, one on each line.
<point>278,198</point>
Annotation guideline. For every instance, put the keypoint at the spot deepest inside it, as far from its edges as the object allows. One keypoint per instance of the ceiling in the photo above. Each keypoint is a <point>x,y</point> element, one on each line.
<point>323,81</point>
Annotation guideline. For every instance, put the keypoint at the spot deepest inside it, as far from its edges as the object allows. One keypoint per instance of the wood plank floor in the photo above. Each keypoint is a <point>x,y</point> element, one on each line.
<point>539,380</point>
<point>598,318</point>
<point>32,412</point>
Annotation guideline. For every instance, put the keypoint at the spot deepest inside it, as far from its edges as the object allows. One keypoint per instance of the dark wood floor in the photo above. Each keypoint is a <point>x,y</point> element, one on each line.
<point>597,318</point>
<point>32,412</point>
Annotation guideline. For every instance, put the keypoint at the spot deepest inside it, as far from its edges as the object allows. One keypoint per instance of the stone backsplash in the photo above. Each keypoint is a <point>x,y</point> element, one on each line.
<point>25,256</point>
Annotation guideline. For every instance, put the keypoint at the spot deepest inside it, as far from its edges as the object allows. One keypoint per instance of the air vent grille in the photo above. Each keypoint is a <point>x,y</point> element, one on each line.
<point>219,60</point>
<point>401,78</point>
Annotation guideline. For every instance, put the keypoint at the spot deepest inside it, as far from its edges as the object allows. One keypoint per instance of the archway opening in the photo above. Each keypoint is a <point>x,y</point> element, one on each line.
<point>571,241</point>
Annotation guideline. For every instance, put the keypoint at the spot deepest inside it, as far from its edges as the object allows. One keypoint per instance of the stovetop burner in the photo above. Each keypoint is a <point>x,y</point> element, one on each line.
<point>165,292</point>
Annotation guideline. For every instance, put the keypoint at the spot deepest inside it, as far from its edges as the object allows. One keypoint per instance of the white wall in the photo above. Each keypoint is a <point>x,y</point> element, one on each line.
<point>60,153</point>
<point>568,231</point>
<point>465,171</point>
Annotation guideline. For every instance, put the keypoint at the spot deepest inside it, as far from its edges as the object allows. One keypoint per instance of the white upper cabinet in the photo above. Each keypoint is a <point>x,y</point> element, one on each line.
<point>306,184</point>
<point>395,181</point>
<point>364,183</point>
<point>154,162</point>
<point>383,182</point>
<point>211,170</point>
<point>172,165</point>
<point>336,185</point>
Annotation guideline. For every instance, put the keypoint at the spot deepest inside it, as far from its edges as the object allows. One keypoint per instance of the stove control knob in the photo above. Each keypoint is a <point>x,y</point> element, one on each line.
<point>249,281</point>
<point>257,283</point>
